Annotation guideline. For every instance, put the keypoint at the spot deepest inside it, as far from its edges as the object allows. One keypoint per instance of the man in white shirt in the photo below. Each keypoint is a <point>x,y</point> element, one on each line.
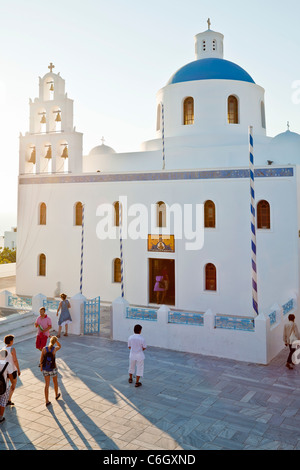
<point>137,346</point>
<point>7,375</point>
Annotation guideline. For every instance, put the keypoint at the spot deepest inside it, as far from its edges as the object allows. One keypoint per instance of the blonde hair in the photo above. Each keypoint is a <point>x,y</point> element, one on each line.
<point>52,341</point>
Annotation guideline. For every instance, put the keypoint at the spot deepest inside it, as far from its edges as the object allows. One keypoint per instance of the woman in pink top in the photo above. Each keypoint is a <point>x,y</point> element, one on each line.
<point>44,326</point>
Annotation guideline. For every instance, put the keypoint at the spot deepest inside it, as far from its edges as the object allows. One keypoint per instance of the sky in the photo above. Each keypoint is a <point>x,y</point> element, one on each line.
<point>115,55</point>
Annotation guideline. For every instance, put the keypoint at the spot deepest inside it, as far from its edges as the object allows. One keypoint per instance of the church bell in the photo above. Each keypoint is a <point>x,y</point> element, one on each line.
<point>58,118</point>
<point>65,153</point>
<point>51,87</point>
<point>43,119</point>
<point>33,156</point>
<point>49,152</point>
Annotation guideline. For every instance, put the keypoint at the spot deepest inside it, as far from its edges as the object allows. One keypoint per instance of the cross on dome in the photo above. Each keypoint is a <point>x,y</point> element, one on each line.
<point>209,23</point>
<point>51,66</point>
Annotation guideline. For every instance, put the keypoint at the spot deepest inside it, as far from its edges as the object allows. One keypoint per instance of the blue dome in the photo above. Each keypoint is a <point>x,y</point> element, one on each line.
<point>210,69</point>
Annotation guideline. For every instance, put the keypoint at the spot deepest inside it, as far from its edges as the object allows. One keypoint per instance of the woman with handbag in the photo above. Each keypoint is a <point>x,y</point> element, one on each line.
<point>290,334</point>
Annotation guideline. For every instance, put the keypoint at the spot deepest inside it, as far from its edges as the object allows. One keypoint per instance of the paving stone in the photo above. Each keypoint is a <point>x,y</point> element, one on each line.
<point>186,402</point>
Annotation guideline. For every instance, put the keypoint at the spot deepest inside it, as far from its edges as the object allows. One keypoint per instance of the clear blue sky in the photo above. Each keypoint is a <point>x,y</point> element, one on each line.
<point>115,55</point>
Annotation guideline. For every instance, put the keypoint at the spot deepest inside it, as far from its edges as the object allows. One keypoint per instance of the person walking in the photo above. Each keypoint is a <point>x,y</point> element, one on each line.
<point>65,317</point>
<point>48,367</point>
<point>290,334</point>
<point>137,346</point>
<point>44,326</point>
<point>13,360</point>
<point>5,377</point>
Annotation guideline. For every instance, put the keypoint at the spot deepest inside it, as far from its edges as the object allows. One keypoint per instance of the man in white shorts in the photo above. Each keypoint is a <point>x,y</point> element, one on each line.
<point>137,346</point>
<point>7,375</point>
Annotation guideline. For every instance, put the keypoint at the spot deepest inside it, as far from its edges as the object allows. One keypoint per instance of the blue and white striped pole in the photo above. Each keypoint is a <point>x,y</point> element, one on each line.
<point>253,224</point>
<point>163,134</point>
<point>121,249</point>
<point>82,240</point>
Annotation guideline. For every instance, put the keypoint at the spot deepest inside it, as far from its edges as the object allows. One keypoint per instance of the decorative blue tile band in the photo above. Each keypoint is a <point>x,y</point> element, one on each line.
<point>51,304</point>
<point>234,323</point>
<point>272,317</point>
<point>19,301</point>
<point>141,313</point>
<point>186,318</point>
<point>288,307</point>
<point>156,176</point>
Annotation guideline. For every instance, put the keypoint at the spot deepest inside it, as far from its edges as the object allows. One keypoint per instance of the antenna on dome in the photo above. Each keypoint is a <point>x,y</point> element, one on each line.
<point>209,23</point>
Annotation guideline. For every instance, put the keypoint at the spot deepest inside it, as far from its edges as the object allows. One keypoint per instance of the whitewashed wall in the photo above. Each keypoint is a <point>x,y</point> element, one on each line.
<point>259,346</point>
<point>228,246</point>
<point>7,270</point>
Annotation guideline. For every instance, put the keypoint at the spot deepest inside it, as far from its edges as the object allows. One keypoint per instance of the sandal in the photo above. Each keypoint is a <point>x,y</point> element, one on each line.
<point>48,403</point>
<point>9,403</point>
<point>130,381</point>
<point>57,397</point>
<point>138,384</point>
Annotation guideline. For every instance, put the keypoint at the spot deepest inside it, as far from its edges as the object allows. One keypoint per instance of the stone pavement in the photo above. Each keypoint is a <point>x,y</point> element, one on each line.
<point>186,402</point>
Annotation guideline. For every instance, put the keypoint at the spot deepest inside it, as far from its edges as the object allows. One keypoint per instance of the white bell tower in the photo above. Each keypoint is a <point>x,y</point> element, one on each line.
<point>52,144</point>
<point>209,44</point>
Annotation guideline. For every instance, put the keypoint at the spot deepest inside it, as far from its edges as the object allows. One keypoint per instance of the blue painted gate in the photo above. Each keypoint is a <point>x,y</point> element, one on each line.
<point>92,316</point>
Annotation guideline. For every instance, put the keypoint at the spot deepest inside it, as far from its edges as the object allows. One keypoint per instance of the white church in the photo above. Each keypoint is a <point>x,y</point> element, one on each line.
<point>199,157</point>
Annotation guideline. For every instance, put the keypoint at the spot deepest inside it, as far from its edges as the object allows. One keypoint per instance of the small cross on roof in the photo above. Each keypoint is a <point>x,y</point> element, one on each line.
<point>51,66</point>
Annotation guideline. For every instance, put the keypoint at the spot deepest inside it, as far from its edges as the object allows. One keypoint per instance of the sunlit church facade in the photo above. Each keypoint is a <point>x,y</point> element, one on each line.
<point>199,156</point>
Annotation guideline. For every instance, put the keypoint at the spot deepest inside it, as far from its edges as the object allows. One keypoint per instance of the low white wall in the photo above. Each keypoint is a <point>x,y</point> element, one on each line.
<point>76,310</point>
<point>259,346</point>
<point>7,270</point>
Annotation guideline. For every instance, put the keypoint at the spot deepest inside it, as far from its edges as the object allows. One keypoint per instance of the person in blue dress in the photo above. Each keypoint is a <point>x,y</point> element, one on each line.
<point>64,317</point>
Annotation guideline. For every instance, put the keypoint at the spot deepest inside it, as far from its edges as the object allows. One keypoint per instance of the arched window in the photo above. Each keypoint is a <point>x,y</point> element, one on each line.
<point>42,265</point>
<point>158,117</point>
<point>263,215</point>
<point>161,214</point>
<point>78,213</point>
<point>210,277</point>
<point>117,270</point>
<point>42,214</point>
<point>188,111</point>
<point>117,213</point>
<point>233,110</point>
<point>263,115</point>
<point>209,214</point>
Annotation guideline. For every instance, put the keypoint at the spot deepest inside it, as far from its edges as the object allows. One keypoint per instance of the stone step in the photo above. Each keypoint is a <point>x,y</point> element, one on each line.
<point>20,324</point>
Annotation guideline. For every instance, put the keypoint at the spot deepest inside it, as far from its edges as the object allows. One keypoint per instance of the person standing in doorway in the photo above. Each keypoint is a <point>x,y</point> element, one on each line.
<point>137,346</point>
<point>13,360</point>
<point>166,281</point>
<point>65,317</point>
<point>44,326</point>
<point>159,288</point>
<point>290,334</point>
